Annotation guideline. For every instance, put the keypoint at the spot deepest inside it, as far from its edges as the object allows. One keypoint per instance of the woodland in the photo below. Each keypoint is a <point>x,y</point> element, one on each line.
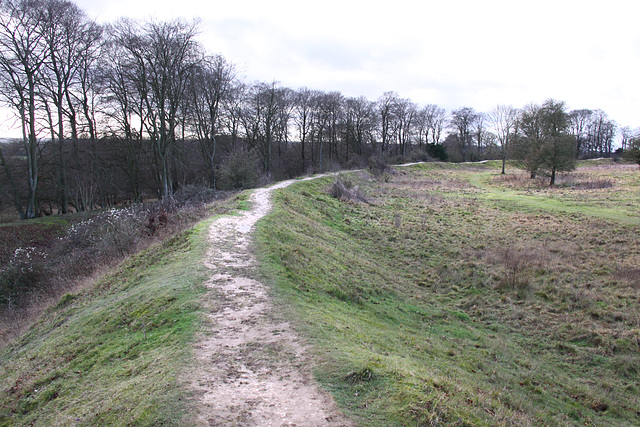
<point>131,111</point>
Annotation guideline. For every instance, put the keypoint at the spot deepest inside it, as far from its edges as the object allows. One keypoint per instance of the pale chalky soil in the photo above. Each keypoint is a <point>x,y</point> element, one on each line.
<point>251,369</point>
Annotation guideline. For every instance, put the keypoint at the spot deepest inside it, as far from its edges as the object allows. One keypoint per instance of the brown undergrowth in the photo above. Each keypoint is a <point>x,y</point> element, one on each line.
<point>43,259</point>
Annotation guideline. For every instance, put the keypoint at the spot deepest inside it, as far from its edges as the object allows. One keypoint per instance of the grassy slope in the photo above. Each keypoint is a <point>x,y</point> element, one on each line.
<point>441,303</point>
<point>112,353</point>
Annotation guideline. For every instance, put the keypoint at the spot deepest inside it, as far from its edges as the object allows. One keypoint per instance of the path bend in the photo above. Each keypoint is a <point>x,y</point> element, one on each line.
<point>251,367</point>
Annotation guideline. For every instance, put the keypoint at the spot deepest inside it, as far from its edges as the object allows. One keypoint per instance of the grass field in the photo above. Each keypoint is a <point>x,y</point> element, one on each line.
<point>457,296</point>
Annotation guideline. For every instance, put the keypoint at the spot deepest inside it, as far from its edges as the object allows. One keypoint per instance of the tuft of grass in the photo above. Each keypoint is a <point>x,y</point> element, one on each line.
<point>363,375</point>
<point>474,303</point>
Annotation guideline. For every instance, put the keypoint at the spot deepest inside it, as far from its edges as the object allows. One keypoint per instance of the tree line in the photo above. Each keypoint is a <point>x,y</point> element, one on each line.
<point>131,110</point>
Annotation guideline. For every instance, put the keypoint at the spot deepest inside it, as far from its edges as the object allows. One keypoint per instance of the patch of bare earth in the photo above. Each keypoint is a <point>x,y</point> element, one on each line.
<point>251,368</point>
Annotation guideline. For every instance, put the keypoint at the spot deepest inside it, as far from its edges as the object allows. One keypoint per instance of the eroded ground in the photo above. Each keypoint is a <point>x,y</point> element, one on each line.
<point>251,369</point>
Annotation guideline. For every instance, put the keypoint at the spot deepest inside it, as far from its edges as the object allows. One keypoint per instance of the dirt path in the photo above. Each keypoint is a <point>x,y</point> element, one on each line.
<point>252,370</point>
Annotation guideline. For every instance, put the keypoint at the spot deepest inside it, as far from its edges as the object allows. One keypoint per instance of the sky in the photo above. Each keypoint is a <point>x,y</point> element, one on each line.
<point>453,53</point>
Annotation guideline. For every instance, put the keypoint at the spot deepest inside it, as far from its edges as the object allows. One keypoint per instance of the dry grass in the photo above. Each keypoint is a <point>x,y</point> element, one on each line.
<point>579,181</point>
<point>471,309</point>
<point>630,276</point>
<point>518,264</point>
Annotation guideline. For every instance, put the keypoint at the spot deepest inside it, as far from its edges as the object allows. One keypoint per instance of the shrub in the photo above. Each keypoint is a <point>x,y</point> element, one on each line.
<point>577,181</point>
<point>378,166</point>
<point>31,279</point>
<point>22,276</point>
<point>356,162</point>
<point>597,184</point>
<point>346,192</point>
<point>519,264</point>
<point>112,232</point>
<point>363,375</point>
<point>420,155</point>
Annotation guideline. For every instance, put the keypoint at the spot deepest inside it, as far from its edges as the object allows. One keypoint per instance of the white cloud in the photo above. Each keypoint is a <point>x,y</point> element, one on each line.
<point>452,53</point>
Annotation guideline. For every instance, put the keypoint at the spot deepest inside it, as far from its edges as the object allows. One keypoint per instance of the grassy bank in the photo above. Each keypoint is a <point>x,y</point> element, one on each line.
<point>44,258</point>
<point>460,297</point>
<point>113,352</point>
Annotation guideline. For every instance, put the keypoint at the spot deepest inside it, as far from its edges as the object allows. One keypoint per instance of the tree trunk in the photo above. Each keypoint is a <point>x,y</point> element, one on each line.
<point>62,164</point>
<point>31,151</point>
<point>12,184</point>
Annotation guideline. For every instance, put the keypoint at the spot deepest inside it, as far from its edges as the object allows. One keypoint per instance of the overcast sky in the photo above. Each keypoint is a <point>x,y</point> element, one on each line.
<point>454,53</point>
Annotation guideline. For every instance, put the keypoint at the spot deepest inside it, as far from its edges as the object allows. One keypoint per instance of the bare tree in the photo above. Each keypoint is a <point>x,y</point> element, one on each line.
<point>119,72</point>
<point>159,58</point>
<point>438,120</point>
<point>70,37</point>
<point>579,120</point>
<point>23,53</point>
<point>429,121</point>
<point>87,85</point>
<point>462,122</point>
<point>332,106</point>
<point>481,136</point>
<point>626,134</point>
<point>359,124</point>
<point>171,55</point>
<point>260,119</point>
<point>504,123</point>
<point>422,127</point>
<point>232,112</point>
<point>211,85</point>
<point>600,133</point>
<point>386,110</point>
<point>321,127</point>
<point>405,114</point>
<point>286,100</point>
<point>302,115</point>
